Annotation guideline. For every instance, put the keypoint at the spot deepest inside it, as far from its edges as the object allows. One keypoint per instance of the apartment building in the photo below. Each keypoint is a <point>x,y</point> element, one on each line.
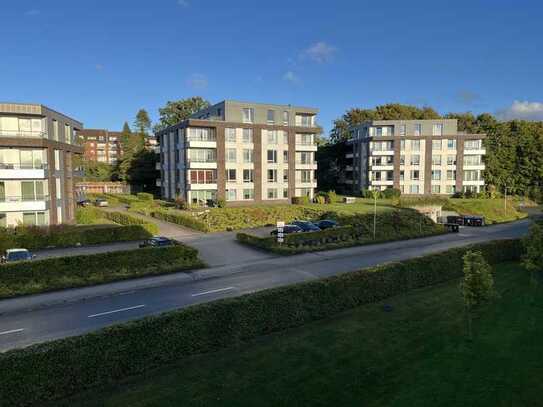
<point>241,152</point>
<point>101,145</point>
<point>37,147</point>
<point>416,157</point>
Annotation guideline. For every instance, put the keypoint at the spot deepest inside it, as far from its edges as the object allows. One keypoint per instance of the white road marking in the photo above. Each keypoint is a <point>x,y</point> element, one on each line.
<point>213,291</point>
<point>13,331</point>
<point>116,310</point>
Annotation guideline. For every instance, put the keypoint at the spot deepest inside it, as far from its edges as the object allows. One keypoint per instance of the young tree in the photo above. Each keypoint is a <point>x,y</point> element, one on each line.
<point>142,124</point>
<point>179,110</point>
<point>533,245</point>
<point>477,286</point>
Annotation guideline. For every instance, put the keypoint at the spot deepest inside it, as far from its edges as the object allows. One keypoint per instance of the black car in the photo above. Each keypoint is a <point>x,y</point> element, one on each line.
<point>84,202</point>
<point>474,221</point>
<point>288,229</point>
<point>306,226</point>
<point>158,241</point>
<point>327,224</point>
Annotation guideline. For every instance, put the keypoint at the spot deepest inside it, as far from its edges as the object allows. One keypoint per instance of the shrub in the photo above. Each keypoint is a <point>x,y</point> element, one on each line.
<point>181,204</point>
<point>221,203</point>
<point>300,200</point>
<point>127,219</point>
<point>391,193</point>
<point>88,215</point>
<point>144,196</point>
<point>188,219</point>
<point>331,197</point>
<point>58,369</point>
<point>319,199</point>
<point>123,198</point>
<point>75,271</point>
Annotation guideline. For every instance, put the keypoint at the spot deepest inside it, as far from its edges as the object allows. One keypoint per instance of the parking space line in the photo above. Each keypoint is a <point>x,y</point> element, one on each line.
<point>115,311</point>
<point>13,331</point>
<point>218,290</point>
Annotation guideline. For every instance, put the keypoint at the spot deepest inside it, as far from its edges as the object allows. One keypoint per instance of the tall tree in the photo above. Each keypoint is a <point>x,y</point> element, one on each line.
<point>178,110</point>
<point>142,124</point>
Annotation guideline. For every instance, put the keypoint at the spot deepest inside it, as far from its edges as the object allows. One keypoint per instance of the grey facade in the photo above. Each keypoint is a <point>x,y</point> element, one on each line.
<point>37,148</point>
<point>241,152</point>
<point>416,157</point>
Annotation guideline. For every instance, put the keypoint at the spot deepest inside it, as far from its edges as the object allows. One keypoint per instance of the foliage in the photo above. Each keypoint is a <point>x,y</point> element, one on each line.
<point>178,110</point>
<point>533,246</point>
<point>411,201</point>
<point>319,199</point>
<point>491,209</point>
<point>221,203</point>
<point>188,219</point>
<point>181,203</point>
<point>391,193</point>
<point>53,370</point>
<point>478,284</point>
<point>56,273</point>
<point>144,196</point>
<point>300,200</point>
<point>96,171</point>
<point>93,215</point>
<point>332,162</point>
<point>142,124</point>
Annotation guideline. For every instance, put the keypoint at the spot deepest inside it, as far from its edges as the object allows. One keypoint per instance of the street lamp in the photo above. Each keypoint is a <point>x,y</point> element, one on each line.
<point>374,193</point>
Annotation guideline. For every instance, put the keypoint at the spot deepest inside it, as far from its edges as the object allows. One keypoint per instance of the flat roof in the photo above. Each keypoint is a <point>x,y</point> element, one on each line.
<point>39,109</point>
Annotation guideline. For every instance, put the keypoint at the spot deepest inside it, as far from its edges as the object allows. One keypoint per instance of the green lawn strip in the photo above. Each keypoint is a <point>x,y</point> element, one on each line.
<point>51,274</point>
<point>493,210</point>
<point>417,354</point>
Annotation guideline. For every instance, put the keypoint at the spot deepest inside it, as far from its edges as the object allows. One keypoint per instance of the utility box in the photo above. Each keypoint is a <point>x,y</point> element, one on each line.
<point>349,199</point>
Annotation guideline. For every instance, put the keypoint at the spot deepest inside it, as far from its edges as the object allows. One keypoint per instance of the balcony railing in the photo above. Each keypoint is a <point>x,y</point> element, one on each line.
<point>14,166</point>
<point>211,138</point>
<point>192,160</point>
<point>23,133</point>
<point>20,198</point>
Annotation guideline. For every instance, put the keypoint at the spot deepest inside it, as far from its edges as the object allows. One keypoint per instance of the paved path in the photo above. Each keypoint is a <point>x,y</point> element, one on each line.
<point>43,317</point>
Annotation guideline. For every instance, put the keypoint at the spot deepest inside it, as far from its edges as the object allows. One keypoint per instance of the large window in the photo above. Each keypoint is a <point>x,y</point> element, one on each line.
<point>248,176</point>
<point>436,160</point>
<point>437,129</point>
<point>472,160</point>
<point>418,129</point>
<point>270,116</point>
<point>34,218</point>
<point>32,191</point>
<point>201,134</point>
<point>304,139</point>
<point>231,175</point>
<point>272,156</point>
<point>436,189</point>
<point>248,155</point>
<point>272,193</point>
<point>21,127</point>
<point>381,145</point>
<point>304,120</point>
<point>248,194</point>
<point>202,197</point>
<point>415,159</point>
<point>415,145</point>
<point>471,175</point>
<point>247,136</point>
<point>272,176</point>
<point>451,144</point>
<point>230,135</point>
<point>22,158</point>
<point>231,195</point>
<point>202,155</point>
<point>305,157</point>
<point>451,160</point>
<point>472,145</point>
<point>231,155</point>
<point>451,175</point>
<point>436,175</point>
<point>414,189</point>
<point>203,176</point>
<point>305,176</point>
<point>248,115</point>
<point>436,144</point>
<point>272,137</point>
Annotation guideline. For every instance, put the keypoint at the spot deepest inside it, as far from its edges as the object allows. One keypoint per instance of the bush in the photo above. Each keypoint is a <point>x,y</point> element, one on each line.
<point>319,199</point>
<point>300,200</point>
<point>127,219</point>
<point>126,199</point>
<point>331,197</point>
<point>144,196</point>
<point>181,204</point>
<point>58,369</point>
<point>41,237</point>
<point>221,203</point>
<point>88,215</point>
<point>188,219</point>
<point>75,271</point>
<point>391,193</point>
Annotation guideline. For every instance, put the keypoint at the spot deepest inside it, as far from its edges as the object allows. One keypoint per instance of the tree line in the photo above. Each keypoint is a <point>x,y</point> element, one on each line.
<point>514,159</point>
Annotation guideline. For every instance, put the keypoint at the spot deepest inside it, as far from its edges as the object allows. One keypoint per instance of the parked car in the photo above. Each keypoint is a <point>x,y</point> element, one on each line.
<point>288,229</point>
<point>101,202</point>
<point>12,255</point>
<point>459,220</point>
<point>474,221</point>
<point>327,224</point>
<point>83,202</point>
<point>157,241</point>
<point>452,227</point>
<point>306,226</point>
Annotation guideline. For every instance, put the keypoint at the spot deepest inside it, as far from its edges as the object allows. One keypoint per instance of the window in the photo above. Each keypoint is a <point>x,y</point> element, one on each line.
<point>306,192</point>
<point>285,193</point>
<point>285,176</point>
<point>450,189</point>
<point>451,175</point>
<point>402,130</point>
<point>272,176</point>
<point>231,155</point>
<point>437,129</point>
<point>29,218</point>
<point>390,175</point>
<point>436,160</point>
<point>471,175</point>
<point>304,120</point>
<point>248,194</point>
<point>304,139</point>
<point>272,193</point>
<point>451,160</point>
<point>472,145</point>
<point>272,156</point>
<point>247,136</point>
<point>451,144</point>
<point>305,157</point>
<point>201,134</point>
<point>248,114</point>
<point>305,176</point>
<point>202,155</point>
<point>415,145</point>
<point>285,156</point>
<point>271,117</point>
<point>272,137</point>
<point>472,160</point>
<point>247,155</point>
<point>402,175</point>
<point>402,159</point>
<point>230,136</point>
<point>230,175</point>
<point>379,131</point>
<point>402,145</point>
<point>248,176</point>
<point>203,176</point>
<point>436,144</point>
<point>414,189</point>
<point>285,118</point>
<point>436,189</point>
<point>415,159</point>
<point>418,129</point>
<point>376,175</point>
<point>32,190</point>
<point>415,175</point>
<point>231,195</point>
<point>55,130</point>
<point>436,175</point>
<point>57,160</point>
<point>285,137</point>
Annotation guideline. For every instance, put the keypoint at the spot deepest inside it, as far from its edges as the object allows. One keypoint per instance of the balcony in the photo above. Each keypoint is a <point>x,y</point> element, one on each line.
<point>202,142</point>
<point>306,165</point>
<point>381,152</point>
<point>306,184</point>
<point>22,171</point>
<point>203,186</point>
<point>382,182</point>
<point>205,164</point>
<point>23,134</point>
<point>21,204</point>
<point>305,146</point>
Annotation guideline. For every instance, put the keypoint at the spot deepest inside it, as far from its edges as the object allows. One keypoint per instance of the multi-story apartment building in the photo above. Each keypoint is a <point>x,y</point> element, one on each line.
<point>101,145</point>
<point>240,152</point>
<point>416,157</point>
<point>37,147</point>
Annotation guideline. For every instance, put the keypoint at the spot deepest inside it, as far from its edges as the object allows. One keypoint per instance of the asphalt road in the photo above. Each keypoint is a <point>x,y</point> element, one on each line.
<point>34,319</point>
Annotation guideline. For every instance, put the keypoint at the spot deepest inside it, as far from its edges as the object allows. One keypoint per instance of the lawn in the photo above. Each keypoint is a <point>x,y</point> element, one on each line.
<point>415,355</point>
<point>492,209</point>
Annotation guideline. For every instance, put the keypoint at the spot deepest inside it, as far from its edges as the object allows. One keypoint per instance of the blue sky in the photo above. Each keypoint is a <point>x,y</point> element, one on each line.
<point>100,61</point>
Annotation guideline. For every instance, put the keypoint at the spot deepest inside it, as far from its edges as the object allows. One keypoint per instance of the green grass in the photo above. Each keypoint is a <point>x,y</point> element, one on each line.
<point>361,206</point>
<point>492,209</point>
<point>416,355</point>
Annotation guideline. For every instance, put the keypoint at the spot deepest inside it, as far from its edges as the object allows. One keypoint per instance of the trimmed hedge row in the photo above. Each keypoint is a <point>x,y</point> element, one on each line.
<point>123,198</point>
<point>145,196</point>
<point>394,225</point>
<point>180,218</point>
<point>65,367</point>
<point>41,237</point>
<point>93,215</point>
<point>76,271</point>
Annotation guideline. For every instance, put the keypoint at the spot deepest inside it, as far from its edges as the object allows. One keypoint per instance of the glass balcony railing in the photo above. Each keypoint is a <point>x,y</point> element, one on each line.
<point>17,166</point>
<point>23,198</point>
<point>23,133</point>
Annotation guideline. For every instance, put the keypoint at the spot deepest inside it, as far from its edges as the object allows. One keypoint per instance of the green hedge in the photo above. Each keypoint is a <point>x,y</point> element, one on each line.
<point>393,225</point>
<point>61,368</point>
<point>180,218</point>
<point>75,271</point>
<point>93,215</point>
<point>41,237</point>
<point>123,198</point>
<point>145,196</point>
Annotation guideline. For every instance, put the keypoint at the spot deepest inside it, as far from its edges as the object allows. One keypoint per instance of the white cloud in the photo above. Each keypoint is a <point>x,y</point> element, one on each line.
<point>320,52</point>
<point>290,76</point>
<point>183,3</point>
<point>32,12</point>
<point>197,81</point>
<point>522,110</point>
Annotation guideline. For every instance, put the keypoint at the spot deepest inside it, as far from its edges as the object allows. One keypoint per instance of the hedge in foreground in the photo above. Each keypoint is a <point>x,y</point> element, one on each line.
<point>40,237</point>
<point>59,369</point>
<point>76,271</point>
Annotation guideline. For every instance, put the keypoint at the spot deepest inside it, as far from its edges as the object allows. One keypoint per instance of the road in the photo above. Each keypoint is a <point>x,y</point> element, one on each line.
<point>34,319</point>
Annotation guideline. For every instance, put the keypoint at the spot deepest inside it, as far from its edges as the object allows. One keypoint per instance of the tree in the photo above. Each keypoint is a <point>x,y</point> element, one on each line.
<point>178,110</point>
<point>533,246</point>
<point>142,124</point>
<point>477,286</point>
